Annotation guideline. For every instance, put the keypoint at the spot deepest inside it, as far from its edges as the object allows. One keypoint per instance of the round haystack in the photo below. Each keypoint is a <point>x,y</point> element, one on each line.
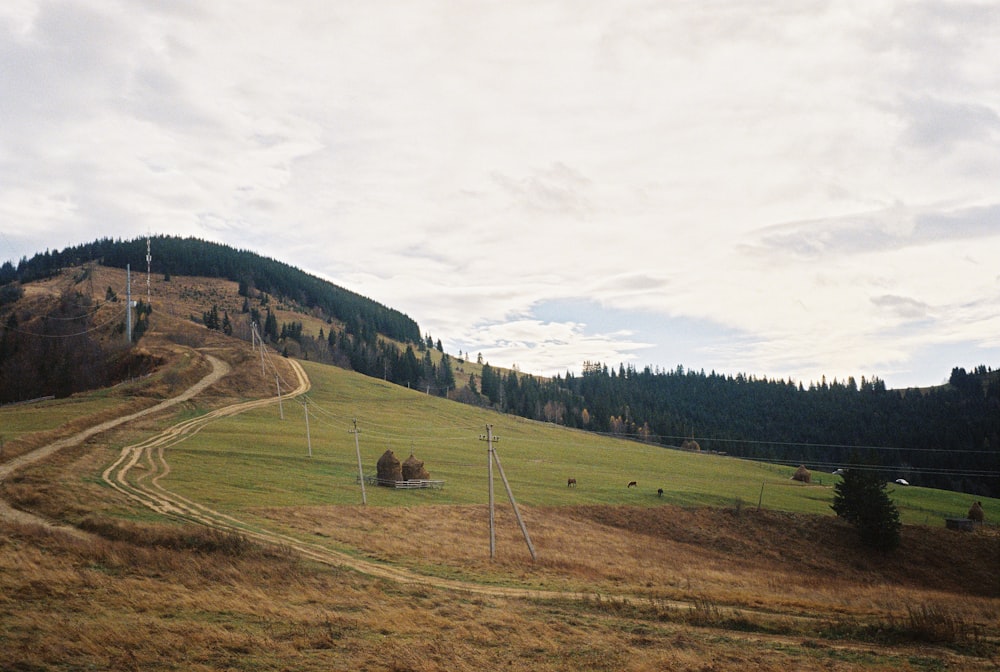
<point>976,512</point>
<point>690,444</point>
<point>413,470</point>
<point>388,469</point>
<point>802,474</point>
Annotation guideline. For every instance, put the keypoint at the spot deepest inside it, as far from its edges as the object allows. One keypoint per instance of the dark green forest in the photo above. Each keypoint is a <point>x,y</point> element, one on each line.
<point>945,437</point>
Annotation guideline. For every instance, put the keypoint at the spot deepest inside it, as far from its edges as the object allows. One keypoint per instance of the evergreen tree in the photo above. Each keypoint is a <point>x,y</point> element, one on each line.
<point>271,326</point>
<point>490,384</point>
<point>861,499</point>
<point>211,318</point>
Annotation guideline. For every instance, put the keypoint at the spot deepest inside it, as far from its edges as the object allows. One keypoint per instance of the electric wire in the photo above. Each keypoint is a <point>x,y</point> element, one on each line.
<point>431,435</point>
<point>97,327</point>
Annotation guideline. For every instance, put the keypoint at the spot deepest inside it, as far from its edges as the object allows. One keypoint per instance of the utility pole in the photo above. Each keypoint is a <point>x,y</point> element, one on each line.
<point>489,467</point>
<point>361,471</point>
<point>494,457</point>
<point>281,409</point>
<point>255,339</point>
<point>305,406</point>
<point>517,514</point>
<point>128,302</point>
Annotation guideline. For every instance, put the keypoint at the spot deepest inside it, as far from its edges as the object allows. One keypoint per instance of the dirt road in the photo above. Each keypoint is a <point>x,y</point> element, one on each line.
<point>219,369</point>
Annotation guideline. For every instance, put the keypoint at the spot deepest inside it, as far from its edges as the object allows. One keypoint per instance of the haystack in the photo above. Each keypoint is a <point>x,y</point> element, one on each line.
<point>976,512</point>
<point>388,469</point>
<point>413,470</point>
<point>690,444</point>
<point>802,474</point>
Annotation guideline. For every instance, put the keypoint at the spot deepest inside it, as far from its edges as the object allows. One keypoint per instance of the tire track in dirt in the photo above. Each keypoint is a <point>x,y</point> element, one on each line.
<point>153,495</point>
<point>7,512</point>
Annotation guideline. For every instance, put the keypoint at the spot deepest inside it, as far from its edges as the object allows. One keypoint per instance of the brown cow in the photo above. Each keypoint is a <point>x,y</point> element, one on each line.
<point>571,483</point>
<point>632,484</point>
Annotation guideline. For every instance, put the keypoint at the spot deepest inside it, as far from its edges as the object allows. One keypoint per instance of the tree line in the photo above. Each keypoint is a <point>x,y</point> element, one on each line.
<point>945,437</point>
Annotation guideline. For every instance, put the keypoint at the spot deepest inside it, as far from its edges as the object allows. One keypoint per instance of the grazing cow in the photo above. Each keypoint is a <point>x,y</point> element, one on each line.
<point>571,483</point>
<point>632,484</point>
<point>659,492</point>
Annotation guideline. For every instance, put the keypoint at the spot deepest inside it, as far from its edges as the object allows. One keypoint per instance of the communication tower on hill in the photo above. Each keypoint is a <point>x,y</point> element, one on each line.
<point>149,259</point>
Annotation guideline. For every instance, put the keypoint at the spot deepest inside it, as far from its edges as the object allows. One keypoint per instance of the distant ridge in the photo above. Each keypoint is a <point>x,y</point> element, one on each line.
<point>173,255</point>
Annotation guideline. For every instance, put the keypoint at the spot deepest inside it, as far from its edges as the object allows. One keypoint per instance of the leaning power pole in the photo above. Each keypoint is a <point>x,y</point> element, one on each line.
<point>361,471</point>
<point>494,457</point>
<point>281,409</point>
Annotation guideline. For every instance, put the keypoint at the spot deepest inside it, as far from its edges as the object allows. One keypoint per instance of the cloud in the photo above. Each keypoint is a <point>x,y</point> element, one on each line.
<point>814,185</point>
<point>891,229</point>
<point>906,308</point>
<point>551,348</point>
<point>938,125</point>
<point>558,190</point>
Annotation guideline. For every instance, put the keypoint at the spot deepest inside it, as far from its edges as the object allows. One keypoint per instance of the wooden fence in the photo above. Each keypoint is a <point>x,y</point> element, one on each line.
<point>411,484</point>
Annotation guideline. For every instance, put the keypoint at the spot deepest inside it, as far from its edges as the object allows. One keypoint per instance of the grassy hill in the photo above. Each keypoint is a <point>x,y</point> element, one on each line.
<point>697,579</point>
<point>538,459</point>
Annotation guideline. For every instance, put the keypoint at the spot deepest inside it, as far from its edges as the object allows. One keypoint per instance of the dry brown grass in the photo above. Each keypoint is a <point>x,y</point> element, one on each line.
<point>767,560</point>
<point>166,598</point>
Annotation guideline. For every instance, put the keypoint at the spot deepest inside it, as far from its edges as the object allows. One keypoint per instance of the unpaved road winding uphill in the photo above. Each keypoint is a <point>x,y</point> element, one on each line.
<point>219,369</point>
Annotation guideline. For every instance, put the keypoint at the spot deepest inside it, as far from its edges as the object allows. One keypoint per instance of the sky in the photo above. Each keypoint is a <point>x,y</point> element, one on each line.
<point>785,188</point>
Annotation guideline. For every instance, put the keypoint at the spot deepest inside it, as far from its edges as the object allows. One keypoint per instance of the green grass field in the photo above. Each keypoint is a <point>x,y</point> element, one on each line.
<point>258,459</point>
<point>18,420</point>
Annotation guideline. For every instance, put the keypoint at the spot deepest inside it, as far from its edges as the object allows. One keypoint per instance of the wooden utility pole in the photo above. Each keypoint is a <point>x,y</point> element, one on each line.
<point>361,471</point>
<point>517,514</point>
<point>305,406</point>
<point>281,409</point>
<point>128,303</point>
<point>492,457</point>
<point>489,438</point>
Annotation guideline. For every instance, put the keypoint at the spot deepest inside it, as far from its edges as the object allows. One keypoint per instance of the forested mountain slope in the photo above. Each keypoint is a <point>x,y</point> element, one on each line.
<point>194,257</point>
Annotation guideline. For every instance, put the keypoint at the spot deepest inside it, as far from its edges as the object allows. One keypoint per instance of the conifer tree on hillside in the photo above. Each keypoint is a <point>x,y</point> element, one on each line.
<point>861,499</point>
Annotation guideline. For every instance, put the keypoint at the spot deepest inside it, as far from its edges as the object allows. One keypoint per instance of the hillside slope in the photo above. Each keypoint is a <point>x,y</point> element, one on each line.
<point>708,588</point>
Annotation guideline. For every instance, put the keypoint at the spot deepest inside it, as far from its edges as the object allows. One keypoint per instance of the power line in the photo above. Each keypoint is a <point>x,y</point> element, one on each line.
<point>96,327</point>
<point>805,444</point>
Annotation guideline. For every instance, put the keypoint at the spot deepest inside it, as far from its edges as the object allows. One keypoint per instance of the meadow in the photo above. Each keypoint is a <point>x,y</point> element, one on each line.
<point>696,580</point>
<point>258,458</point>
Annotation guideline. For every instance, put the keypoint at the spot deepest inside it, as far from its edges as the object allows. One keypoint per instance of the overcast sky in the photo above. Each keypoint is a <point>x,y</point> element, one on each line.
<point>782,188</point>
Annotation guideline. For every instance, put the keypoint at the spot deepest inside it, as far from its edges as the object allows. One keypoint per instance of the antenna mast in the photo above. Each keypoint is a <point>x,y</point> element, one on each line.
<point>149,259</point>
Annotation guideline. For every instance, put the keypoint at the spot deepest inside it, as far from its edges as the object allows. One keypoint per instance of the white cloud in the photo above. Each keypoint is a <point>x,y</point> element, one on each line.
<point>817,181</point>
